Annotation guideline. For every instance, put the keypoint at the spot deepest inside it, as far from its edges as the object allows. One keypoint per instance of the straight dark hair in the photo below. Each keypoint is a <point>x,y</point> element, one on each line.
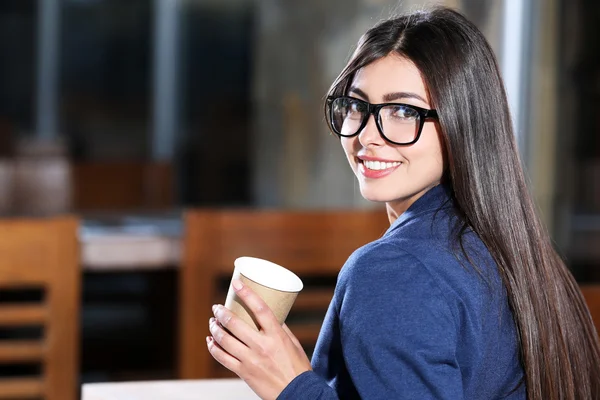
<point>559,346</point>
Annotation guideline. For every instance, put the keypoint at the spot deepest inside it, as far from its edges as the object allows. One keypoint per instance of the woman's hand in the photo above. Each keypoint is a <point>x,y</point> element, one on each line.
<point>267,360</point>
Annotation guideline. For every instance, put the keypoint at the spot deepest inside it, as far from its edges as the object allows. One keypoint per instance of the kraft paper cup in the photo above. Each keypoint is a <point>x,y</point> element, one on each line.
<point>277,286</point>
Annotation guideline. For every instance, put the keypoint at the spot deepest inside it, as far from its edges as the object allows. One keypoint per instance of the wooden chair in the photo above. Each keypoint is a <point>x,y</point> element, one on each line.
<point>314,245</point>
<point>40,254</point>
<point>591,293</point>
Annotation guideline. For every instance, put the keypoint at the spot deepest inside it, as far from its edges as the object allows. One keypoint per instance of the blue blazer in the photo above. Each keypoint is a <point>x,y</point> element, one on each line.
<point>412,318</point>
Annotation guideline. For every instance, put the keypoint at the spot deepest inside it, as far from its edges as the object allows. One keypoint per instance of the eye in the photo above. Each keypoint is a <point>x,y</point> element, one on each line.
<point>403,113</point>
<point>353,109</point>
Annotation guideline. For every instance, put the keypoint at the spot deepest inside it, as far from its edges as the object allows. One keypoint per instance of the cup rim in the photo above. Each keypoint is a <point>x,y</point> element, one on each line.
<point>270,274</point>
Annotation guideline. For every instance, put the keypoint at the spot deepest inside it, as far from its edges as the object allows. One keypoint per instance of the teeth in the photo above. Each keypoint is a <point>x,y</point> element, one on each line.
<point>378,165</point>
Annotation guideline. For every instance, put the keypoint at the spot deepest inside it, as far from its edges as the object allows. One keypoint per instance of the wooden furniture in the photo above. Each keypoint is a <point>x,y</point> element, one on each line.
<point>130,242</point>
<point>122,186</point>
<point>591,293</point>
<point>41,254</point>
<point>214,389</point>
<point>314,245</point>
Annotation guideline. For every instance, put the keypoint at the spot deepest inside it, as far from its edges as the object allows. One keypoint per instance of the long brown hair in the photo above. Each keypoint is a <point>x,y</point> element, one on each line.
<point>558,343</point>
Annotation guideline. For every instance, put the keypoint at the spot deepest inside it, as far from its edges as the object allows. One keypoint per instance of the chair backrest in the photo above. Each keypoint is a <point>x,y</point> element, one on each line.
<point>591,293</point>
<point>40,255</point>
<point>313,244</point>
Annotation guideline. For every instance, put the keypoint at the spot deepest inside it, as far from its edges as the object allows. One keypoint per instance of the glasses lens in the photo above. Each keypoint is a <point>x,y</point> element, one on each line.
<point>399,123</point>
<point>347,115</point>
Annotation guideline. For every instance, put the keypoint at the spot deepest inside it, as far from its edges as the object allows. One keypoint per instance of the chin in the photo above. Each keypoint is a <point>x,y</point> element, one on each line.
<point>377,196</point>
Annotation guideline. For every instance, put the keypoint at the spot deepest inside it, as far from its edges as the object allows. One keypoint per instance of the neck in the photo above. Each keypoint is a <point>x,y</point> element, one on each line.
<point>397,207</point>
<point>392,212</point>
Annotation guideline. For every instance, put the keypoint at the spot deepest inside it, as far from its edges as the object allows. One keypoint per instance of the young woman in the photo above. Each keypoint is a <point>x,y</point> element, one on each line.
<point>463,297</point>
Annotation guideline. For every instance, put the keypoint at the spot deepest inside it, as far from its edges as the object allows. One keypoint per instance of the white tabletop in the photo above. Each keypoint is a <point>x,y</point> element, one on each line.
<point>208,389</point>
<point>131,242</point>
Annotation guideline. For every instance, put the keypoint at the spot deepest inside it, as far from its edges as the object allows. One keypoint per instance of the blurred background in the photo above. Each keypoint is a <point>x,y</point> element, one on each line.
<point>128,112</point>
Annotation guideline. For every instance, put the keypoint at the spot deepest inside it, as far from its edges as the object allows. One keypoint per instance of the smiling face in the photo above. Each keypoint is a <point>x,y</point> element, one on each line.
<point>394,174</point>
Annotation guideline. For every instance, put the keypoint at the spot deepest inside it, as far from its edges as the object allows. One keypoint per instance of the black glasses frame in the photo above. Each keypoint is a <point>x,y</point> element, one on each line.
<point>374,109</point>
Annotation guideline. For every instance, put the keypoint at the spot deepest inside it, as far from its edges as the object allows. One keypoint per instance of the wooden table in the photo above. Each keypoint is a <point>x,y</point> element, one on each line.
<point>208,389</point>
<point>123,243</point>
<point>123,256</point>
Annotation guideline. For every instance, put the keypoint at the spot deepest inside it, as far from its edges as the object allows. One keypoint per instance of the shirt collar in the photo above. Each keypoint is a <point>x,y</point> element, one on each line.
<point>436,198</point>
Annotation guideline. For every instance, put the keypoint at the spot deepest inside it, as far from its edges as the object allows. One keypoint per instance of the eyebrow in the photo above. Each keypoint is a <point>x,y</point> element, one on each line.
<point>389,97</point>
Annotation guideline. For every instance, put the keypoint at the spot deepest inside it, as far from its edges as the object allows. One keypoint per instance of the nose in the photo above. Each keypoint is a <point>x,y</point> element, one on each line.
<point>369,136</point>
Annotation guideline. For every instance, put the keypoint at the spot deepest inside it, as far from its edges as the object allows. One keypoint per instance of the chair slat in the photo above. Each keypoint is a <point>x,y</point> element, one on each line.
<point>14,351</point>
<point>306,333</point>
<point>22,315</point>
<point>21,388</point>
<point>314,299</point>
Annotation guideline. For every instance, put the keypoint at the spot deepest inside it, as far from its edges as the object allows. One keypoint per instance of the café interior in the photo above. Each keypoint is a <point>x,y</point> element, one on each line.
<point>145,145</point>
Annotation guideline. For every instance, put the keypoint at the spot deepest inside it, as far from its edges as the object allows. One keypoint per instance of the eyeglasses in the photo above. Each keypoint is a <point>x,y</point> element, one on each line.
<point>397,123</point>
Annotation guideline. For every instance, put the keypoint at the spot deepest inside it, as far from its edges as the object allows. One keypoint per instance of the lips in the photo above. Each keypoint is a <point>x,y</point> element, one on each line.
<point>374,168</point>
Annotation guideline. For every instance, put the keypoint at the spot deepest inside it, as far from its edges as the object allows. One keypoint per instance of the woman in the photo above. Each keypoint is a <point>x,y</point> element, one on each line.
<point>464,296</point>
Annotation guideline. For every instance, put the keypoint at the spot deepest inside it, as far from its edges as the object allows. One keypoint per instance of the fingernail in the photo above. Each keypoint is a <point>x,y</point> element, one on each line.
<point>207,339</point>
<point>214,308</point>
<point>237,284</point>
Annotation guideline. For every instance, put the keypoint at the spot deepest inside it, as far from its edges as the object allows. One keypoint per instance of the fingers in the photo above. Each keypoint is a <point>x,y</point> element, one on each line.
<point>222,357</point>
<point>262,313</point>
<point>226,341</point>
<point>292,337</point>
<point>238,328</point>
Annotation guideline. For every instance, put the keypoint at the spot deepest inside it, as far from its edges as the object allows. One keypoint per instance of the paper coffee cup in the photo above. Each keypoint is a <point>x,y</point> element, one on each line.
<point>277,286</point>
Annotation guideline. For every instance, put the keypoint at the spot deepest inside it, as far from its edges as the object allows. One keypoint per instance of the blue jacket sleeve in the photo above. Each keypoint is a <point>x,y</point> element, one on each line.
<point>399,330</point>
<point>308,385</point>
